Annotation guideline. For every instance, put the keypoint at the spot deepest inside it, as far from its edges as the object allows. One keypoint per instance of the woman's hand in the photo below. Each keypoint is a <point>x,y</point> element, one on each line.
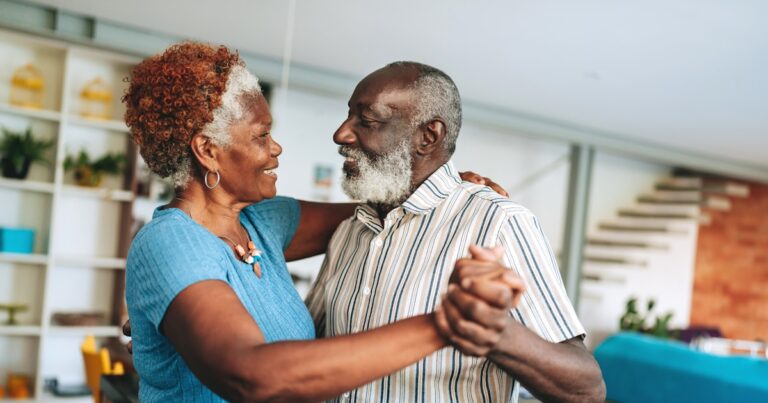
<point>470,176</point>
<point>475,311</point>
<point>127,333</point>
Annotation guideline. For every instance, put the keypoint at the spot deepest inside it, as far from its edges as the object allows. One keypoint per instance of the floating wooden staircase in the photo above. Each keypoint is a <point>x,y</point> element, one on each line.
<point>648,249</point>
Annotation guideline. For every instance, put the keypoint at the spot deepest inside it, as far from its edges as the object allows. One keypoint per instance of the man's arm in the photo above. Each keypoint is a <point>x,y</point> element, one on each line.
<point>562,372</point>
<point>542,347</point>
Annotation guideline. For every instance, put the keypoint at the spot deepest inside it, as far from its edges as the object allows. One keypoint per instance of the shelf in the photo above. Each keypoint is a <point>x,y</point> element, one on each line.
<point>96,331</point>
<point>19,330</point>
<point>42,114</point>
<point>47,397</point>
<point>93,262</point>
<point>23,184</point>
<point>27,258</point>
<point>114,125</point>
<point>99,193</point>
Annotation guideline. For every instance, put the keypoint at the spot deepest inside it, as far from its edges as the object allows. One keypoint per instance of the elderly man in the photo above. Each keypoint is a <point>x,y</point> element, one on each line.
<point>394,257</point>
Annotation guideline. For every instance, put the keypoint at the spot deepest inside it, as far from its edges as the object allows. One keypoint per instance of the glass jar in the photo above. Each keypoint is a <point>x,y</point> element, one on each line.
<point>27,86</point>
<point>96,100</point>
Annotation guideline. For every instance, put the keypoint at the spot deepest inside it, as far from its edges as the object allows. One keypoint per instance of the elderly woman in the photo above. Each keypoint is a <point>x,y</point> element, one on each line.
<point>213,310</point>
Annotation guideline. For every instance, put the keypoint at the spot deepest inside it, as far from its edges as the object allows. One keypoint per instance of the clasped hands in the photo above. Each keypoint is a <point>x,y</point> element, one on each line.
<point>474,313</point>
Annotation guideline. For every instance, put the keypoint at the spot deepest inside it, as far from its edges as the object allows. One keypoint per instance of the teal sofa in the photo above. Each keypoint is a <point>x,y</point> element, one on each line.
<point>641,368</point>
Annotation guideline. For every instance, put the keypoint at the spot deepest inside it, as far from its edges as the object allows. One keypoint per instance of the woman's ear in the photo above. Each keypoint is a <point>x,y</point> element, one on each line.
<point>431,137</point>
<point>205,152</point>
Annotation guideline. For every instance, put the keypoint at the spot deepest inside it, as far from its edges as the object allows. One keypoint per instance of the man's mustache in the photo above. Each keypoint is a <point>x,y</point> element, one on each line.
<point>356,153</point>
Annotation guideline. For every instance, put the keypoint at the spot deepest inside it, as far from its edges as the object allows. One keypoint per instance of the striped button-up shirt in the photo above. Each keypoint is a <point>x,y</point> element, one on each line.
<point>377,272</point>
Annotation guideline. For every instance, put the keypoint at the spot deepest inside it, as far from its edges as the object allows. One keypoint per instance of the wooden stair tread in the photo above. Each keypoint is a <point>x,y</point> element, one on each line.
<point>654,229</point>
<point>710,202</point>
<point>614,260</point>
<point>625,243</point>
<point>648,214</point>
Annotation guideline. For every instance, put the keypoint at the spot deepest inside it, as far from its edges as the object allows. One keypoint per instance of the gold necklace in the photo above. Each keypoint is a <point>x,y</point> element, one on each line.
<point>252,256</point>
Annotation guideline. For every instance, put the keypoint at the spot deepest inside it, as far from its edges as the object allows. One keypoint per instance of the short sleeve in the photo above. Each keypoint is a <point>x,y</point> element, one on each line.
<point>545,307</point>
<point>166,259</point>
<point>280,214</point>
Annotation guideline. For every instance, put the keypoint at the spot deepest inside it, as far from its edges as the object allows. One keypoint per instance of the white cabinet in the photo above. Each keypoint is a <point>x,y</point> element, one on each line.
<point>81,233</point>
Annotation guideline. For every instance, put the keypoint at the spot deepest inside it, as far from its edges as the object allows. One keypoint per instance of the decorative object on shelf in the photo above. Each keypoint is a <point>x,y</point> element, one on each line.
<point>96,100</point>
<point>19,386</point>
<point>18,150</point>
<point>17,240</point>
<point>27,87</point>
<point>12,310</point>
<point>90,173</point>
<point>97,363</point>
<point>632,320</point>
<point>78,318</point>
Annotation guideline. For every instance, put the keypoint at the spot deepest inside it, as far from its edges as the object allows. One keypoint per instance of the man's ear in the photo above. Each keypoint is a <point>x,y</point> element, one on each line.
<point>205,152</point>
<point>431,137</point>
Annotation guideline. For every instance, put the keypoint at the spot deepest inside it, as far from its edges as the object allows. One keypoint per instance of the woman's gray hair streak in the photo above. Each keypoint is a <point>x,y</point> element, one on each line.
<point>231,111</point>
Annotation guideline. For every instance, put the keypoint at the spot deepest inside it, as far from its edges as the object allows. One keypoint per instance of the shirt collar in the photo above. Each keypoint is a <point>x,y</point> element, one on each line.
<point>426,197</point>
<point>433,190</point>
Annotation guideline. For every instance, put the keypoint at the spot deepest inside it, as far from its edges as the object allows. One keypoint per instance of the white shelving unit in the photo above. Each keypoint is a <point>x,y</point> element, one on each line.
<point>81,233</point>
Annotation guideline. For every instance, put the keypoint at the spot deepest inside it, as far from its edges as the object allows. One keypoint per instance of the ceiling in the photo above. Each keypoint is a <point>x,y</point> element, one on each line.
<point>689,74</point>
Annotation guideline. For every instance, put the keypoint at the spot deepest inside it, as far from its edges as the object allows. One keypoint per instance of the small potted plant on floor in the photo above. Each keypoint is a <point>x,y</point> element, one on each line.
<point>18,150</point>
<point>90,173</point>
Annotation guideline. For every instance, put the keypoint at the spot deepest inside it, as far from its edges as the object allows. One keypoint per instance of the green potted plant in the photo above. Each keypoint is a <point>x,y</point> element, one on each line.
<point>19,150</point>
<point>632,320</point>
<point>90,173</point>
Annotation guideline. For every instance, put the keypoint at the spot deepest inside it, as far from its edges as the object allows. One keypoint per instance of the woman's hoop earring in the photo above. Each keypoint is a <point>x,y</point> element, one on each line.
<point>218,179</point>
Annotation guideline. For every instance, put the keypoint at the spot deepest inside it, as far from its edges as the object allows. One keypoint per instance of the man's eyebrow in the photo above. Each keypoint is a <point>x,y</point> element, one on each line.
<point>383,110</point>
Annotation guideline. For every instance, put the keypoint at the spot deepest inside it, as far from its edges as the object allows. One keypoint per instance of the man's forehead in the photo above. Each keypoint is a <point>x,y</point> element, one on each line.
<point>384,99</point>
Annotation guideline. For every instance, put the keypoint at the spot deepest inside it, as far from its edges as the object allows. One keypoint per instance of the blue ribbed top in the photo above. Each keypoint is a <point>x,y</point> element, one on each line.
<point>173,252</point>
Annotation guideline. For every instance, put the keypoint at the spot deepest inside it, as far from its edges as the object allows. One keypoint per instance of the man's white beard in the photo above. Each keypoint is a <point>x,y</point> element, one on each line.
<point>385,179</point>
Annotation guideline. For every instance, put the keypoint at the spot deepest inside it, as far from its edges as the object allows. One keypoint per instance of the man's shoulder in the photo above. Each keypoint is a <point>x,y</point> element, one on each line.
<point>488,199</point>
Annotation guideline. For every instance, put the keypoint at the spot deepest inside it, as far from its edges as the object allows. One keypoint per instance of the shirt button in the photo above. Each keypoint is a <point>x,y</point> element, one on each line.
<point>379,242</point>
<point>367,291</point>
<point>345,396</point>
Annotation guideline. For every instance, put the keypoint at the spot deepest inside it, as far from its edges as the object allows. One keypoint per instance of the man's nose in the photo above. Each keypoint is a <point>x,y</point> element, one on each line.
<point>344,135</point>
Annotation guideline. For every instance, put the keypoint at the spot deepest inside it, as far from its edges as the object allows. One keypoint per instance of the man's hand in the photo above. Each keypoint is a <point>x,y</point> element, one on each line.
<point>475,311</point>
<point>470,176</point>
<point>127,333</point>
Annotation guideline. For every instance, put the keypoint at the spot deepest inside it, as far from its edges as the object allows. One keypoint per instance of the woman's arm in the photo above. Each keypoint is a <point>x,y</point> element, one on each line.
<point>224,347</point>
<point>316,226</point>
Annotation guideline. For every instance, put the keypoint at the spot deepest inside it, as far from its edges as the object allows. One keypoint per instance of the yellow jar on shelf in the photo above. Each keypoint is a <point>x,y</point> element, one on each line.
<point>27,87</point>
<point>96,100</point>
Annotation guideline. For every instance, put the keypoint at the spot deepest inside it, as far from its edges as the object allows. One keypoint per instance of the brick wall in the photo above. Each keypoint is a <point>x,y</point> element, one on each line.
<point>731,274</point>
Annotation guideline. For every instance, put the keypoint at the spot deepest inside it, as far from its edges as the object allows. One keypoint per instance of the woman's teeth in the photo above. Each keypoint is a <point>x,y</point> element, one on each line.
<point>270,172</point>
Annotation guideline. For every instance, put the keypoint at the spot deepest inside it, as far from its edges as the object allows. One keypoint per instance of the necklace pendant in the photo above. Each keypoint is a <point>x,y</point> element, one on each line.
<point>257,269</point>
<point>240,250</point>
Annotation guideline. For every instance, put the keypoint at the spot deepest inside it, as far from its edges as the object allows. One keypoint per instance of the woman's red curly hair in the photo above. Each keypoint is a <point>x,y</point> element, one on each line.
<point>171,97</point>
